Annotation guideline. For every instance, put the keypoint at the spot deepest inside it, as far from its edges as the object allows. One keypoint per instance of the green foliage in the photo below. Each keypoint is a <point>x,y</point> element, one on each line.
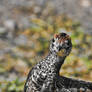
<point>13,86</point>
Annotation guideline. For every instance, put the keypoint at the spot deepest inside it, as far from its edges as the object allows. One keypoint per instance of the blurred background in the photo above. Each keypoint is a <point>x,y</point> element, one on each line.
<point>26,26</point>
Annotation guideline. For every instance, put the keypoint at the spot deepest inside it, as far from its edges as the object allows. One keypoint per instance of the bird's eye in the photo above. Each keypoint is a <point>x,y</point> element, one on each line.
<point>68,43</point>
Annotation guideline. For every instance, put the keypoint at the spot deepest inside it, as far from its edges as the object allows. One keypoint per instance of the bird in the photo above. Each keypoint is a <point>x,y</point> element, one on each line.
<point>72,85</point>
<point>44,76</point>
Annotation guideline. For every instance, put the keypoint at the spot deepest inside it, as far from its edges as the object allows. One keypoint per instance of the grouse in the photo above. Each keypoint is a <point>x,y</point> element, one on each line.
<point>44,76</point>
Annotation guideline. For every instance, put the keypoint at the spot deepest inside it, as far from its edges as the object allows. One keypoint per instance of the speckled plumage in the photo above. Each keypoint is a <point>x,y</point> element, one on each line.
<point>73,85</point>
<point>44,74</point>
<point>44,77</point>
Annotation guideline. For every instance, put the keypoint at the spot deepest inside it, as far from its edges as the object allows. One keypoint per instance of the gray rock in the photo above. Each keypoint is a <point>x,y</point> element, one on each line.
<point>10,25</point>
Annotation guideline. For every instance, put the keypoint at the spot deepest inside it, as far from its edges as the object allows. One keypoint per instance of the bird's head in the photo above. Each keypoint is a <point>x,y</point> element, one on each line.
<point>61,44</point>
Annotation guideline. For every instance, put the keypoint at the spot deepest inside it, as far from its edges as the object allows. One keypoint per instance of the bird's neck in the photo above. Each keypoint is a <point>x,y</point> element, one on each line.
<point>56,61</point>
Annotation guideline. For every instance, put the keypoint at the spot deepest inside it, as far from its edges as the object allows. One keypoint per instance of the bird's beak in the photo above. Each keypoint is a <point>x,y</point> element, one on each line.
<point>61,52</point>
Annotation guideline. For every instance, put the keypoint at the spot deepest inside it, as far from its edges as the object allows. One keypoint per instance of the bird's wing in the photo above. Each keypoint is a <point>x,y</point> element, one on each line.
<point>30,73</point>
<point>70,83</point>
